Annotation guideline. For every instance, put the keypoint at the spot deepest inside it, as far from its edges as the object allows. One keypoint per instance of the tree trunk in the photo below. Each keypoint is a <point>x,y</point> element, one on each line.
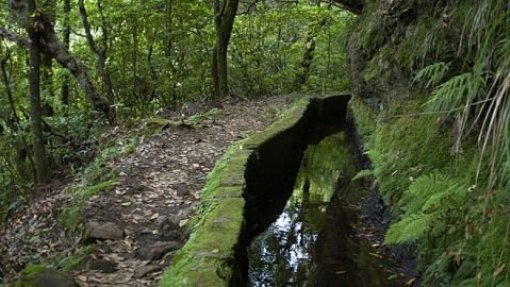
<point>220,69</point>
<point>39,147</point>
<point>64,94</point>
<point>225,13</point>
<point>51,46</point>
<point>101,52</point>
<point>306,62</point>
<point>46,70</point>
<point>47,76</point>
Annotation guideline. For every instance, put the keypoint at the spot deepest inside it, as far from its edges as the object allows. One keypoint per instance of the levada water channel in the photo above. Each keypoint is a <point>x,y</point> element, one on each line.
<point>318,239</point>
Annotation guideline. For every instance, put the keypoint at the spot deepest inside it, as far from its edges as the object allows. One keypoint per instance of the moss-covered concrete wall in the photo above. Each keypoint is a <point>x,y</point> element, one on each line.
<point>247,188</point>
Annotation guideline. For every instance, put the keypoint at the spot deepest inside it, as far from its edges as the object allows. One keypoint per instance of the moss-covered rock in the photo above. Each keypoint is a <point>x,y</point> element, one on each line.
<point>41,276</point>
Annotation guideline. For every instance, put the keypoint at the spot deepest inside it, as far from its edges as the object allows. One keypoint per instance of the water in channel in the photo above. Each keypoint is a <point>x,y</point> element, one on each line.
<point>315,241</point>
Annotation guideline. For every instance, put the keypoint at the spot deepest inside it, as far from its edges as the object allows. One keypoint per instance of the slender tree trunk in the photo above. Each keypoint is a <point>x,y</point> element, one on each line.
<point>308,54</point>
<point>306,62</point>
<point>134,62</point>
<point>220,69</point>
<point>101,52</point>
<point>64,94</point>
<point>47,76</point>
<point>50,7</point>
<point>225,13</point>
<point>105,72</point>
<point>39,147</point>
<point>168,28</point>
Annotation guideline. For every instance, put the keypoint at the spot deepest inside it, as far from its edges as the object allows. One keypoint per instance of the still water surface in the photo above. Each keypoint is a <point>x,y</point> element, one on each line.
<point>316,240</point>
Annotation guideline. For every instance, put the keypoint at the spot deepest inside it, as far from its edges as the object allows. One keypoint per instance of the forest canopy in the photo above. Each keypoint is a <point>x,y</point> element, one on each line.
<point>129,60</point>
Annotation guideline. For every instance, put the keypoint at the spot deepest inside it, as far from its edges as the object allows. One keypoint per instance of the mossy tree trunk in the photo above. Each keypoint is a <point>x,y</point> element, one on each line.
<point>224,15</point>
<point>34,77</point>
<point>64,94</point>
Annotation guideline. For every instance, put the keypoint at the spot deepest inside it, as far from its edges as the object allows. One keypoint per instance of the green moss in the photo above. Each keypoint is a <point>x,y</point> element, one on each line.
<point>89,191</point>
<point>33,269</point>
<point>75,261</point>
<point>206,259</point>
<point>70,215</point>
<point>288,120</point>
<point>365,119</point>
<point>370,36</point>
<point>379,66</point>
<point>41,276</point>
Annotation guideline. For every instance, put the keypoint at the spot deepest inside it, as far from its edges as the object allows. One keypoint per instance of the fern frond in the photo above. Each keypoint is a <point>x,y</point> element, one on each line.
<point>409,229</point>
<point>433,193</point>
<point>432,74</point>
<point>363,173</point>
<point>460,90</point>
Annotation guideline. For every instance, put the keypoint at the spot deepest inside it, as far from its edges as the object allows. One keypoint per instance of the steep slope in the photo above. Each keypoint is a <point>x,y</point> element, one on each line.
<point>431,80</point>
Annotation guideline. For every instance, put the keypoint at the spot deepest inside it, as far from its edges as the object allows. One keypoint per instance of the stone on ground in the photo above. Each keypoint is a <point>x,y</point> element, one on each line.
<point>104,230</point>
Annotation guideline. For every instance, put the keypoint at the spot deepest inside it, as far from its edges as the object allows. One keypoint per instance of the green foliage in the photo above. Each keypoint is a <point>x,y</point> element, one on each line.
<point>443,207</point>
<point>432,198</point>
<point>363,174</point>
<point>268,45</point>
<point>402,147</point>
<point>433,74</point>
<point>460,91</point>
<point>98,176</point>
<point>410,228</point>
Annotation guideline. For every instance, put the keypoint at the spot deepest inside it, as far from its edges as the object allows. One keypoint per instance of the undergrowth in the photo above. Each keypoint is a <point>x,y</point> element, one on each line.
<point>459,229</point>
<point>440,146</point>
<point>98,176</point>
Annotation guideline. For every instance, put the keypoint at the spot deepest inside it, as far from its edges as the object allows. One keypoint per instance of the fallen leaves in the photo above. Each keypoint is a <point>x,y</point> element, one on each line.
<point>162,177</point>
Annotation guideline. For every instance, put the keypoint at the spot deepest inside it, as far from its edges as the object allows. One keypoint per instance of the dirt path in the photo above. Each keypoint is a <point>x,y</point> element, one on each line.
<point>135,227</point>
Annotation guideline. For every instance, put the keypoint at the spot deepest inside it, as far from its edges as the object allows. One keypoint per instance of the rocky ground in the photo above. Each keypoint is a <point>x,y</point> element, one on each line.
<point>132,231</point>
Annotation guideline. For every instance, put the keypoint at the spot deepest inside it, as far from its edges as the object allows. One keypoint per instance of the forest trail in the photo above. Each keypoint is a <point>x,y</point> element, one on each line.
<point>134,226</point>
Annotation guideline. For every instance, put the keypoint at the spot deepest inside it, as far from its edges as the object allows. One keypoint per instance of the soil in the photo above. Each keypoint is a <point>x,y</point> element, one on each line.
<point>158,190</point>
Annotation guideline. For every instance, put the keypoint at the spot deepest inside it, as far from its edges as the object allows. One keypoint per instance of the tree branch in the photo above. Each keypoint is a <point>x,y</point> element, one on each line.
<point>15,38</point>
<point>86,26</point>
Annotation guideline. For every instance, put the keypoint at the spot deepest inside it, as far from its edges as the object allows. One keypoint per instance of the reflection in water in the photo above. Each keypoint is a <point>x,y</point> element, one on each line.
<point>315,241</point>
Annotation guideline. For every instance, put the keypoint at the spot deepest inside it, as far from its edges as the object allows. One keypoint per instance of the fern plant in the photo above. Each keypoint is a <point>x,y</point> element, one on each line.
<point>432,75</point>
<point>460,91</point>
<point>433,198</point>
